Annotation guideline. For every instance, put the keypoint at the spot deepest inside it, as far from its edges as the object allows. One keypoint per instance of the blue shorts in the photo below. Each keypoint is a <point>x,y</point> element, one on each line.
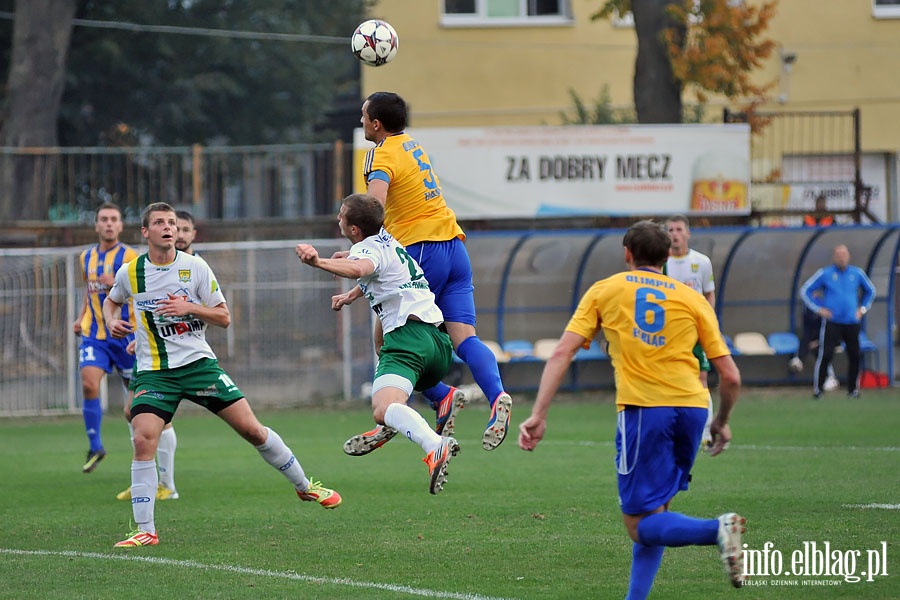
<point>449,273</point>
<point>107,354</point>
<point>655,450</point>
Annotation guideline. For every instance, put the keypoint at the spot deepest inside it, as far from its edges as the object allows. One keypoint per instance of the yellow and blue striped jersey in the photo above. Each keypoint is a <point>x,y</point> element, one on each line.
<point>652,324</point>
<point>415,210</point>
<point>95,263</point>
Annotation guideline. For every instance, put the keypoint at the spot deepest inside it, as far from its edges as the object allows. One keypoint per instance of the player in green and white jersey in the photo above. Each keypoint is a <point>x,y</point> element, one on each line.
<point>693,269</point>
<point>176,296</point>
<point>416,353</point>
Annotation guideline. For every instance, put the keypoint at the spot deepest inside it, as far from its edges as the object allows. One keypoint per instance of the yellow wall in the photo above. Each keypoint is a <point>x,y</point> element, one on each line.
<point>455,77</point>
<point>502,75</point>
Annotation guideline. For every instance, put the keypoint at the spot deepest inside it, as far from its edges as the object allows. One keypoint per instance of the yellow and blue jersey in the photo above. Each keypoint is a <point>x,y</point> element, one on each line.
<point>415,210</point>
<point>652,324</point>
<point>95,263</point>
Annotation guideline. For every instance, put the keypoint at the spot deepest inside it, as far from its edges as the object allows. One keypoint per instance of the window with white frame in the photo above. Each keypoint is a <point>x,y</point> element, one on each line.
<point>471,13</point>
<point>886,9</point>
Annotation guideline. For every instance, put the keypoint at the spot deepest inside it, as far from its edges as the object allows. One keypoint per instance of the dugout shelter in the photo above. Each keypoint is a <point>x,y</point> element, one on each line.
<point>528,283</point>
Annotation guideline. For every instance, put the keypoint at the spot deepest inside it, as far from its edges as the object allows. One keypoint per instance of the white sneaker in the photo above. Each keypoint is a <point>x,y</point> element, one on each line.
<point>796,365</point>
<point>831,384</point>
<point>731,526</point>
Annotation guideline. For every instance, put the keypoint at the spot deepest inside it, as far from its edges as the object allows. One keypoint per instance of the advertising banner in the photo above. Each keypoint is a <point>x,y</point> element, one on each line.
<point>497,172</point>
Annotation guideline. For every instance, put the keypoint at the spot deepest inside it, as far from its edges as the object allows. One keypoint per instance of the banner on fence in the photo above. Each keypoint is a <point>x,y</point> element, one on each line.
<point>496,172</point>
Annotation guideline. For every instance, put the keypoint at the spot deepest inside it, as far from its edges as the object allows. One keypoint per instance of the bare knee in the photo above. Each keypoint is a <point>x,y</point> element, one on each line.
<point>378,415</point>
<point>256,435</point>
<point>382,400</point>
<point>632,522</point>
<point>631,526</point>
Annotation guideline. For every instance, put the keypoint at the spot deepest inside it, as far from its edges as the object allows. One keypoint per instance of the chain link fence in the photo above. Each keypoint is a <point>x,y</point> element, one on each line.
<point>285,347</point>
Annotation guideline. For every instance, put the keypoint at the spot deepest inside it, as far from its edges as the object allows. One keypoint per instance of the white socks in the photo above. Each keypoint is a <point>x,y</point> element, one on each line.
<point>165,457</point>
<point>413,425</point>
<point>144,481</point>
<point>275,452</point>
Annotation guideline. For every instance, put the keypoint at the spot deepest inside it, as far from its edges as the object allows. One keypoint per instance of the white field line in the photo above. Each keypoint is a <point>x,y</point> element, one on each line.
<point>874,505</point>
<point>191,564</point>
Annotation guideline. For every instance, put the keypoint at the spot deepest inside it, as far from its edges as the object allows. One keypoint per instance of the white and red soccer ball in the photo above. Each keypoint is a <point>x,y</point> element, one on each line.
<point>374,42</point>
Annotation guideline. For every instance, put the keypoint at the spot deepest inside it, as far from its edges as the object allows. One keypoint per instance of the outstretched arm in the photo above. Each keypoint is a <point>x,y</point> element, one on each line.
<point>531,431</point>
<point>729,389</point>
<point>342,267</point>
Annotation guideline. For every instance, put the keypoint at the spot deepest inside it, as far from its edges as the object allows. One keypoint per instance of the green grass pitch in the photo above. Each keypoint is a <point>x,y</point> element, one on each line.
<point>509,524</point>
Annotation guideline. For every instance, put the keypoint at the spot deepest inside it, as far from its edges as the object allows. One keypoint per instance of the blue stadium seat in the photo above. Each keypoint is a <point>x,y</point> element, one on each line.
<point>730,343</point>
<point>867,345</point>
<point>784,342</point>
<point>595,352</point>
<point>519,350</point>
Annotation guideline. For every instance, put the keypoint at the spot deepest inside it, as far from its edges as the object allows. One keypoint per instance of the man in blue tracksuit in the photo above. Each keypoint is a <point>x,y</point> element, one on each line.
<point>846,295</point>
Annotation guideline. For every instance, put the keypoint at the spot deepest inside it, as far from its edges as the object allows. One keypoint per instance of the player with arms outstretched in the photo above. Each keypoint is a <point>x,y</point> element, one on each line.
<point>415,353</point>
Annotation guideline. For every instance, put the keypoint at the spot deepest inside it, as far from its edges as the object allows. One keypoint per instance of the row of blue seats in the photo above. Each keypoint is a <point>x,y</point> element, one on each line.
<point>785,342</point>
<point>780,342</point>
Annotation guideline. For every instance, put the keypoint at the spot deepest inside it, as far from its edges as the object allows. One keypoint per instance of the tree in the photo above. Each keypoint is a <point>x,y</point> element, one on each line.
<point>41,33</point>
<point>105,83</point>
<point>177,89</point>
<point>710,46</point>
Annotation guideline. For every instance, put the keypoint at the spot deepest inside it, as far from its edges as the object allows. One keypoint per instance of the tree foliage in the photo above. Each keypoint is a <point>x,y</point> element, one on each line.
<point>127,87</point>
<point>601,112</point>
<point>712,46</point>
<point>120,73</point>
<point>722,47</point>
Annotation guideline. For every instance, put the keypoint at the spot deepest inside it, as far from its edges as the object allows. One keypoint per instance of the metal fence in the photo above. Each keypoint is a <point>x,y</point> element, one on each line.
<point>234,182</point>
<point>285,347</point>
<point>810,153</point>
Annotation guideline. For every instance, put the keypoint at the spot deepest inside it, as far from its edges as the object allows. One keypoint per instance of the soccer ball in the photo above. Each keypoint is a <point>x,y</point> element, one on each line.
<point>374,42</point>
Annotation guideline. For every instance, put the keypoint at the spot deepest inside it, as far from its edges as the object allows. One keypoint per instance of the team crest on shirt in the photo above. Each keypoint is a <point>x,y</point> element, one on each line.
<point>184,275</point>
<point>695,268</point>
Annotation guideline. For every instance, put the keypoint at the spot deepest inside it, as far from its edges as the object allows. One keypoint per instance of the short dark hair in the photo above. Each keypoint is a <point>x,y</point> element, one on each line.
<point>184,216</point>
<point>155,207</point>
<point>390,109</point>
<point>679,219</point>
<point>107,205</point>
<point>648,243</point>
<point>364,211</point>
